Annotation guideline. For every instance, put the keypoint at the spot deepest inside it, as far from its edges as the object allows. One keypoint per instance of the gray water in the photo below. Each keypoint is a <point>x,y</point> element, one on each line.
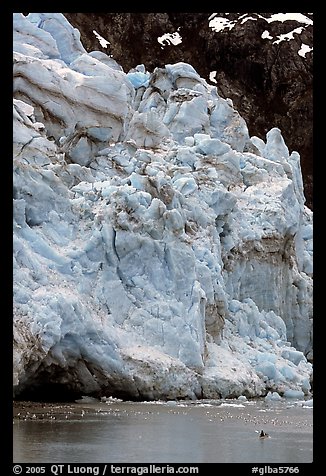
<point>174,432</point>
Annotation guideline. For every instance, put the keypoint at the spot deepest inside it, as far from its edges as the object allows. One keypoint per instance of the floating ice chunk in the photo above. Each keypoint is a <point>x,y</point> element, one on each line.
<point>308,403</point>
<point>236,405</point>
<point>113,400</point>
<point>290,393</point>
<point>87,399</point>
<point>242,398</point>
<point>274,396</point>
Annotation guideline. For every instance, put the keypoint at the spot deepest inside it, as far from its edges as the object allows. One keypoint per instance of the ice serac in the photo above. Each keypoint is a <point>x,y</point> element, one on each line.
<point>159,250</point>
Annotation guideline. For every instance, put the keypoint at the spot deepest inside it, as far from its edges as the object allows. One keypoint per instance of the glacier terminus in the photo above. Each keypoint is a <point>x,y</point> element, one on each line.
<point>160,251</point>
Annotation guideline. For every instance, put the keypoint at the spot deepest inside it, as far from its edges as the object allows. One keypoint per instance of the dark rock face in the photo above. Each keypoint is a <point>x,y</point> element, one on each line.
<point>269,82</point>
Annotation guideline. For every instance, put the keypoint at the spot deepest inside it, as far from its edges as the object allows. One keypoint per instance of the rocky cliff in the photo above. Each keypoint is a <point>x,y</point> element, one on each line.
<point>160,250</point>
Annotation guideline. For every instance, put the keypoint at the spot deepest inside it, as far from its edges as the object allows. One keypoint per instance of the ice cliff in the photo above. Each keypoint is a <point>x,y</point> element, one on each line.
<point>159,250</point>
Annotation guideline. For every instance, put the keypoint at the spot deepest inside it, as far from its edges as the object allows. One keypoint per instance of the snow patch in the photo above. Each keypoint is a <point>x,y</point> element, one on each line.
<point>220,23</point>
<point>212,76</point>
<point>170,39</point>
<point>288,36</point>
<point>103,42</point>
<point>266,35</point>
<point>282,17</point>
<point>304,49</point>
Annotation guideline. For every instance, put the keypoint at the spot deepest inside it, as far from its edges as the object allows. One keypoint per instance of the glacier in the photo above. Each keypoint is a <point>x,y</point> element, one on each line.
<point>160,251</point>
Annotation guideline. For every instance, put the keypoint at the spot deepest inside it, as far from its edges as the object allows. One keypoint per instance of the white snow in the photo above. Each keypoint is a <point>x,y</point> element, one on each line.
<point>266,35</point>
<point>153,256</point>
<point>103,42</point>
<point>288,36</point>
<point>304,49</point>
<point>170,39</point>
<point>220,23</point>
<point>282,17</point>
<point>212,76</point>
<point>246,18</point>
